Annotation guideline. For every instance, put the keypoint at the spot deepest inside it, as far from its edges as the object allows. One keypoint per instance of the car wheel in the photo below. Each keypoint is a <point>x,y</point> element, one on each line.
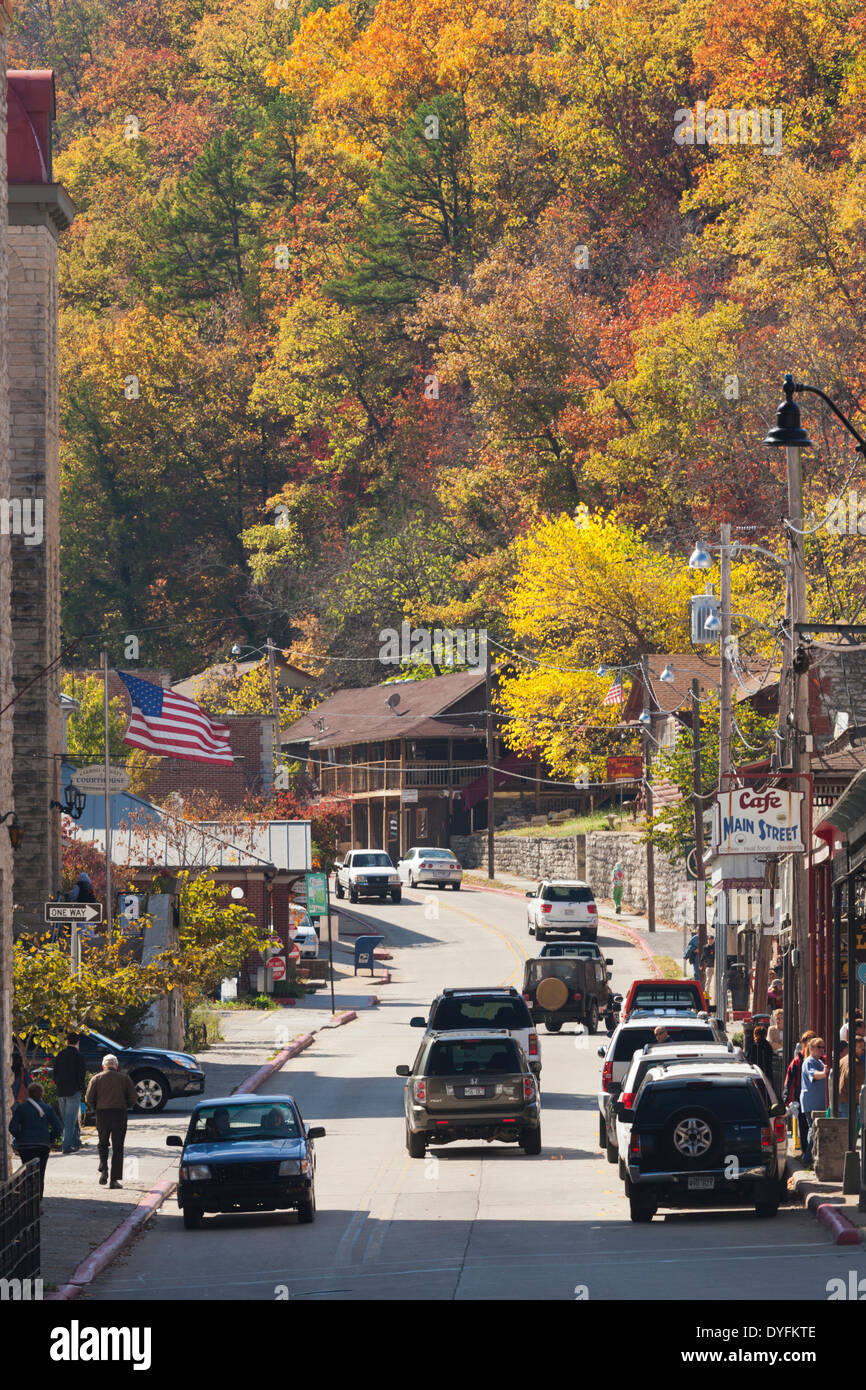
<point>530,928</point>
<point>592,1018</point>
<point>552,1026</point>
<point>338,888</point>
<point>410,882</point>
<point>353,894</point>
<point>612,1152</point>
<point>193,1218</point>
<point>415,1143</point>
<point>540,935</point>
<point>693,1138</point>
<point>396,895</point>
<point>307,1210</point>
<point>763,1209</point>
<point>640,1209</point>
<point>152,1092</point>
<point>602,1133</point>
<point>530,1141</point>
<point>456,887</point>
<point>622,1171</point>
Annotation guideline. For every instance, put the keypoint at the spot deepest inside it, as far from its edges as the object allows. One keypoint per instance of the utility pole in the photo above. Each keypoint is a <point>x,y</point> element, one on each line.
<point>725,769</point>
<point>109,916</point>
<point>697,786</point>
<point>488,697</point>
<point>275,708</point>
<point>647,774</point>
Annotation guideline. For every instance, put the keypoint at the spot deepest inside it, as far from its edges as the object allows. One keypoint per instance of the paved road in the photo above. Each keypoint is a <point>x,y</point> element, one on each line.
<point>469,1221</point>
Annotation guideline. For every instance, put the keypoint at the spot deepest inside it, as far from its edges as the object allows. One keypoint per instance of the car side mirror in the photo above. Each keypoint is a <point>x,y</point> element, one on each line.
<point>602,1052</point>
<point>608,960</point>
<point>417,1023</point>
<point>779,1110</point>
<point>317,1132</point>
<point>403,1071</point>
<point>174,1141</point>
<point>529,894</point>
<point>617,999</point>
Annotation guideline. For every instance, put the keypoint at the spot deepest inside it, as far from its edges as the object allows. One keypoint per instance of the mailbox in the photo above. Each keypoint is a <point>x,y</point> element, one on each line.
<point>364,948</point>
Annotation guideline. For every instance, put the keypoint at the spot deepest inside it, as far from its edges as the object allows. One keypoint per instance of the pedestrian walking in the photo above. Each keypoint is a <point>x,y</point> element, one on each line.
<point>617,885</point>
<point>760,1053</point>
<point>845,1074</point>
<point>111,1094</point>
<point>775,1032</point>
<point>34,1126</point>
<point>813,1093</point>
<point>70,1075</point>
<point>691,955</point>
<point>708,964</point>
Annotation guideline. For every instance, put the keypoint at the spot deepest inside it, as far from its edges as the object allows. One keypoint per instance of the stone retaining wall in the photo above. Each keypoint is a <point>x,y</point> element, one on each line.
<point>528,856</point>
<point>674,893</point>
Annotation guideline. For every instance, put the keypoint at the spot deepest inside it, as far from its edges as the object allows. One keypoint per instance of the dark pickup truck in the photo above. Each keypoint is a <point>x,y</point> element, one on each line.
<point>569,989</point>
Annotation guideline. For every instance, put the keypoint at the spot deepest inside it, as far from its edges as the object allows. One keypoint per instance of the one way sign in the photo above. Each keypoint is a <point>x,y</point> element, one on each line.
<point>73,912</point>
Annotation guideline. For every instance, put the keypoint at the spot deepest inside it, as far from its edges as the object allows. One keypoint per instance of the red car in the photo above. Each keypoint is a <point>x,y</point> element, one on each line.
<point>665,994</point>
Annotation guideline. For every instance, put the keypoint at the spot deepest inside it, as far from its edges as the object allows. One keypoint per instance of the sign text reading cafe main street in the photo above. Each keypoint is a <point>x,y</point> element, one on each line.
<point>747,821</point>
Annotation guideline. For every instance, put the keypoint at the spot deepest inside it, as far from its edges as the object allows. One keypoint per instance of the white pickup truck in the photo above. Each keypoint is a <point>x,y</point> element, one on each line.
<point>367,873</point>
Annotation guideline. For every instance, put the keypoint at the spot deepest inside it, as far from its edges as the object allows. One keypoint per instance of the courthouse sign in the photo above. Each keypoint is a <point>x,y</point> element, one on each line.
<point>746,821</point>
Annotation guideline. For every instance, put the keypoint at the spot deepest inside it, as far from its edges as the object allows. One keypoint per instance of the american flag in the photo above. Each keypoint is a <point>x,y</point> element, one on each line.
<point>170,724</point>
<point>614,695</point>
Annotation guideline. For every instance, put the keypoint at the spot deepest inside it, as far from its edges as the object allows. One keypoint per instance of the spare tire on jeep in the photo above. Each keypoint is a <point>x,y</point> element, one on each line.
<point>551,993</point>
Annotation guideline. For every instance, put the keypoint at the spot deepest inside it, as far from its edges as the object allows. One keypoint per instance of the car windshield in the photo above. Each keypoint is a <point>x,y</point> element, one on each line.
<point>371,861</point>
<point>585,950</point>
<point>102,1041</point>
<point>227,1124</point>
<point>563,969</point>
<point>480,1013</point>
<point>631,1040</point>
<point>566,893</point>
<point>499,1056</point>
<point>684,1060</point>
<point>729,1101</point>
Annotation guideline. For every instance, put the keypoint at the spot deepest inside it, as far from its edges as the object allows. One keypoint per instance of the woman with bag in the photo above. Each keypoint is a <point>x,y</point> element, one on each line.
<point>34,1126</point>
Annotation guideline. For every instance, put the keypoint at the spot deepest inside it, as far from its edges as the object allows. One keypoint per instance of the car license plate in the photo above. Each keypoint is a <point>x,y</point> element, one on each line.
<point>474,1090</point>
<point>569,912</point>
<point>701,1184</point>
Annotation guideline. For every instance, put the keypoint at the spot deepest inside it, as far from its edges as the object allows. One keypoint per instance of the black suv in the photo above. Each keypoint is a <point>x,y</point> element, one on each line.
<point>470,1085</point>
<point>478,1009</point>
<point>568,989</point>
<point>702,1139</point>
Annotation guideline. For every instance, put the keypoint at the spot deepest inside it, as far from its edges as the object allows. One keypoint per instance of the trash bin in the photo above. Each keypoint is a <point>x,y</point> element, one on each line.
<point>364,948</point>
<point>738,984</point>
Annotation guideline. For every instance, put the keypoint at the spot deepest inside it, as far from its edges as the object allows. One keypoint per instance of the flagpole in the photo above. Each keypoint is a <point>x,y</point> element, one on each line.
<point>108,912</point>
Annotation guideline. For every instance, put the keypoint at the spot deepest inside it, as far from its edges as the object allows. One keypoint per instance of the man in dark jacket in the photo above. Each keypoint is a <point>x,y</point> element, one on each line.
<point>82,892</point>
<point>69,1077</point>
<point>111,1094</point>
<point>34,1126</point>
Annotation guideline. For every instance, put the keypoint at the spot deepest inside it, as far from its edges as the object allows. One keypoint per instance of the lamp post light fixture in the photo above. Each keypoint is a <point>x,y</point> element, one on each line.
<point>15,828</point>
<point>700,558</point>
<point>667,674</point>
<point>73,803</point>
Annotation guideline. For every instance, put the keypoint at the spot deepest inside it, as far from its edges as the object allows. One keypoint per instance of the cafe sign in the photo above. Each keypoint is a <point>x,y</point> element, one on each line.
<point>746,821</point>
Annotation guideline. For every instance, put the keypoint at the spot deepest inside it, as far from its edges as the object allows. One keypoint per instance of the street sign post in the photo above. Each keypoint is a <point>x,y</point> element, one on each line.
<point>73,912</point>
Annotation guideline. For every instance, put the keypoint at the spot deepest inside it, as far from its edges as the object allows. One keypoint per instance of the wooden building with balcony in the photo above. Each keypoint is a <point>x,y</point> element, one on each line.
<point>411,758</point>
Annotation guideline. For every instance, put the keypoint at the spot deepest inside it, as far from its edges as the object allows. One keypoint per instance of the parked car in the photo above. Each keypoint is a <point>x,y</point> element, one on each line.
<point>247,1153</point>
<point>480,1009</point>
<point>666,994</point>
<point>621,1111</point>
<point>701,1138</point>
<point>437,866</point>
<point>302,934</point>
<point>562,906</point>
<point>568,989</point>
<point>471,1085</point>
<point>367,873</point>
<point>159,1075</point>
<point>630,1037</point>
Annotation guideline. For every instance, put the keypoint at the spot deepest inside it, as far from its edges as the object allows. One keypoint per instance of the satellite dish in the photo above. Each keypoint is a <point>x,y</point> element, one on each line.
<point>393,701</point>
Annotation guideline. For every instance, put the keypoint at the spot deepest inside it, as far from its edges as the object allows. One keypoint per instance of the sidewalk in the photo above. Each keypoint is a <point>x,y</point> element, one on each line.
<point>806,1188</point>
<point>79,1215</point>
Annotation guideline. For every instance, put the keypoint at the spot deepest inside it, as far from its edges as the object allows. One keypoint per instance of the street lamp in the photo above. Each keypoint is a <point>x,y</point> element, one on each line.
<point>700,558</point>
<point>667,674</point>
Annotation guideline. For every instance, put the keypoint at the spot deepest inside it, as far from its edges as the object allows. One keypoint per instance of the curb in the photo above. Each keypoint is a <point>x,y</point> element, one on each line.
<point>104,1254</point>
<point>844,1233</point>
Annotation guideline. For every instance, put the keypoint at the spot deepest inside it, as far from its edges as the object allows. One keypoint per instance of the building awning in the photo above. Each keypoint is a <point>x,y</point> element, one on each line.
<point>848,811</point>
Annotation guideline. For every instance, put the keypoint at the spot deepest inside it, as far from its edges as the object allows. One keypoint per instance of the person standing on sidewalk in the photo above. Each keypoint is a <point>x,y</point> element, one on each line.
<point>34,1126</point>
<point>760,1053</point>
<point>617,885</point>
<point>845,1074</point>
<point>111,1094</point>
<point>70,1075</point>
<point>813,1093</point>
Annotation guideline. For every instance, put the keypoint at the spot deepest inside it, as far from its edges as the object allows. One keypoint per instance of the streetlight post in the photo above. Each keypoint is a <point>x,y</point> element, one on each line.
<point>647,774</point>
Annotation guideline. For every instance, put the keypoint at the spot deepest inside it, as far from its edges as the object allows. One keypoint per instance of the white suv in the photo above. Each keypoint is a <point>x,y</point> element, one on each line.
<point>367,873</point>
<point>562,906</point>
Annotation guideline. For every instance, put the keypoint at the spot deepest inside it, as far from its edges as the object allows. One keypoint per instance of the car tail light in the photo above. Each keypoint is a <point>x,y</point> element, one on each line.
<point>634,1146</point>
<point>578,996</point>
<point>627,1099</point>
<point>781,1130</point>
<point>766,1138</point>
<point>421,1092</point>
<point>606,1076</point>
<point>591,907</point>
<point>529,1088</point>
<point>547,907</point>
<point>533,1044</point>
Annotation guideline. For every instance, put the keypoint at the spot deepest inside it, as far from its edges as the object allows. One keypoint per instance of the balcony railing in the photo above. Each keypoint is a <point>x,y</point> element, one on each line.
<point>372,777</point>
